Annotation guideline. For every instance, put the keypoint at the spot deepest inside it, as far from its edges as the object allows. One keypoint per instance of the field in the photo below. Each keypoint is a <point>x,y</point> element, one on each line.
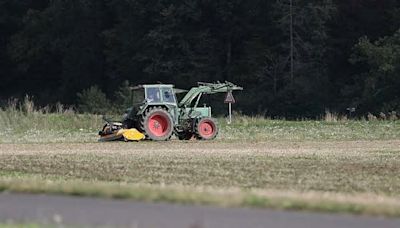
<point>345,166</point>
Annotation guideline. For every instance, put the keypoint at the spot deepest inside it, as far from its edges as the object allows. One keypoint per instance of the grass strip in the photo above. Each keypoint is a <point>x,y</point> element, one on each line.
<point>23,225</point>
<point>376,205</point>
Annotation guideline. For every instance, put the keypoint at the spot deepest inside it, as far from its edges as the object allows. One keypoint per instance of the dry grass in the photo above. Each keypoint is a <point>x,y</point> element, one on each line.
<point>26,123</point>
<point>48,128</point>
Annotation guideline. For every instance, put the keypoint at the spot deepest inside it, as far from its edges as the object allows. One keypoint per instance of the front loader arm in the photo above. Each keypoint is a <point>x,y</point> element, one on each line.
<point>207,88</point>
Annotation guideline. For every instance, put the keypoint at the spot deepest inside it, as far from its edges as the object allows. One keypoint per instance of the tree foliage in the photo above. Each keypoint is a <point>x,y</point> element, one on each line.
<point>345,53</point>
<point>380,81</point>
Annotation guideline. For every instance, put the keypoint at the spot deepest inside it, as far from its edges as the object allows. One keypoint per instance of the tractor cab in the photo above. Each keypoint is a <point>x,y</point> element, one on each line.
<point>153,94</point>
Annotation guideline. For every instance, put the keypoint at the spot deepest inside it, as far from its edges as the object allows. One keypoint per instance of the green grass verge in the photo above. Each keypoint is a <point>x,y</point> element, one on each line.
<point>52,224</point>
<point>203,196</point>
<point>22,225</point>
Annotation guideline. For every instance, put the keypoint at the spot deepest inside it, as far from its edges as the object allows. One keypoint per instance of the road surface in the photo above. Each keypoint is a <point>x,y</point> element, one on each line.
<point>85,211</point>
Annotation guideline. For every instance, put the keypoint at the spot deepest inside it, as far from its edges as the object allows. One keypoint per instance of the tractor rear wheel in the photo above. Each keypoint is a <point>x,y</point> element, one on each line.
<point>206,129</point>
<point>157,124</point>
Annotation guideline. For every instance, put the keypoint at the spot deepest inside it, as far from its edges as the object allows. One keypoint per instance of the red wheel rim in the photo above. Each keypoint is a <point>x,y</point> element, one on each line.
<point>158,125</point>
<point>206,129</point>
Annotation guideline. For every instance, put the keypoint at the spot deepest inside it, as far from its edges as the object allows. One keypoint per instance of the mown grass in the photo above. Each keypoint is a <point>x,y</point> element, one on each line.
<point>254,167</point>
<point>355,177</point>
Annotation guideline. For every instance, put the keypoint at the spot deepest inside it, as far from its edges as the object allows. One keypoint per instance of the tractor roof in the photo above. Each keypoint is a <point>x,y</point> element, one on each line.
<point>151,86</point>
<point>158,86</point>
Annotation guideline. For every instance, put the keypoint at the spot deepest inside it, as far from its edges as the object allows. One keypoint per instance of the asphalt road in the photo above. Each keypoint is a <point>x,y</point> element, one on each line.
<point>122,213</point>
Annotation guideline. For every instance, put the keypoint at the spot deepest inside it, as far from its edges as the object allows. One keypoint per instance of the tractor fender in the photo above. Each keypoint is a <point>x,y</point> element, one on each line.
<point>143,108</point>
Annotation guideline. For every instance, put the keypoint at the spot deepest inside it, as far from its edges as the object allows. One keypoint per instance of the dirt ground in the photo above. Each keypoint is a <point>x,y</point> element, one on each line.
<point>198,148</point>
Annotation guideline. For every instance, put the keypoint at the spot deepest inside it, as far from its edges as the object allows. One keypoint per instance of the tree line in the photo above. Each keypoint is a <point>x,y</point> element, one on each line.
<point>295,58</point>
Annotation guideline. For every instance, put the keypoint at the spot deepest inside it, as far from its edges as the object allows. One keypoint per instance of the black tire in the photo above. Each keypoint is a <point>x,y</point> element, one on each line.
<point>185,135</point>
<point>206,129</point>
<point>157,124</point>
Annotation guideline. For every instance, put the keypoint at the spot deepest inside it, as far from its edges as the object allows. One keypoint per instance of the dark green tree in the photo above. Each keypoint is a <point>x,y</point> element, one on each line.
<point>380,82</point>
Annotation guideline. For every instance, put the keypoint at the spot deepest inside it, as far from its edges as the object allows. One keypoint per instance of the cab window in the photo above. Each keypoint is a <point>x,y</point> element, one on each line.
<point>168,95</point>
<point>153,95</point>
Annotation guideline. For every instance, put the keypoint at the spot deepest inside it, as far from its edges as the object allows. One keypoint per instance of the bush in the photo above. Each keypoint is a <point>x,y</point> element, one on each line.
<point>93,100</point>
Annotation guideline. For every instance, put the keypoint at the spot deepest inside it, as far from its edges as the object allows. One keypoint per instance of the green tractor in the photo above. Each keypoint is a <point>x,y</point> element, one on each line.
<point>157,114</point>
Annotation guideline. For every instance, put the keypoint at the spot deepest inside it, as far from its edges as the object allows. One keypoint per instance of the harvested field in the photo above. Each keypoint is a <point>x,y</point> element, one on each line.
<point>352,176</point>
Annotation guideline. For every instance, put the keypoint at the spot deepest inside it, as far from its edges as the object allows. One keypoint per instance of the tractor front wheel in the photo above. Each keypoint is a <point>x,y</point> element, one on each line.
<point>157,124</point>
<point>206,129</point>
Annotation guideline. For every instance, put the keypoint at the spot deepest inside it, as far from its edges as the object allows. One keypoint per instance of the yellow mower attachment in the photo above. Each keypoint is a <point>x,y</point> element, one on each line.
<point>132,135</point>
<point>114,132</point>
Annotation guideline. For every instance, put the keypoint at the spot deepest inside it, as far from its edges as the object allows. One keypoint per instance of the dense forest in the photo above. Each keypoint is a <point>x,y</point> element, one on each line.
<point>295,58</point>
